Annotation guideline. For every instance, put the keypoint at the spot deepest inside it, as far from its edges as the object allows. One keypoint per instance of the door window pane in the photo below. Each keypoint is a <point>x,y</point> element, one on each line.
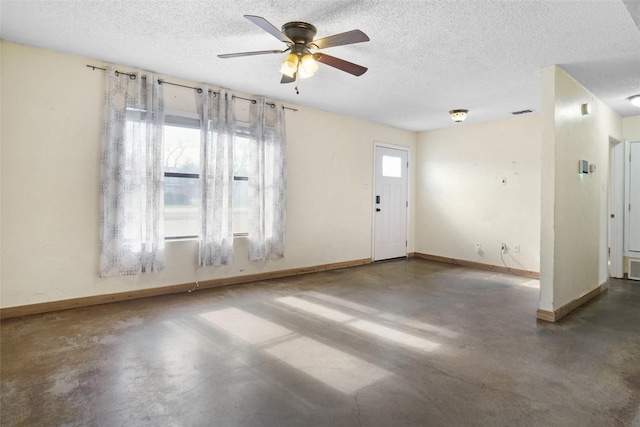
<point>391,166</point>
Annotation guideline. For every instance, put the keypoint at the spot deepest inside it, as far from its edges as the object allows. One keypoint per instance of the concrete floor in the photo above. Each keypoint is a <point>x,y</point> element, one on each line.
<point>403,343</point>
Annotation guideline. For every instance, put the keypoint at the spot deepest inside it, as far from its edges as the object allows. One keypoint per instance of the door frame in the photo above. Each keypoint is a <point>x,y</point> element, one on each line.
<point>627,197</point>
<point>406,149</point>
<point>616,189</point>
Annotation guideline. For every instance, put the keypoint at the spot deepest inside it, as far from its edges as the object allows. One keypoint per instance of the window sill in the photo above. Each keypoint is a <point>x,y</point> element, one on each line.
<point>180,239</point>
<point>192,238</point>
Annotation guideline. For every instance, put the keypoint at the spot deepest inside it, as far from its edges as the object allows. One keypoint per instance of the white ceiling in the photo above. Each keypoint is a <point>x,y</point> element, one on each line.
<point>424,58</point>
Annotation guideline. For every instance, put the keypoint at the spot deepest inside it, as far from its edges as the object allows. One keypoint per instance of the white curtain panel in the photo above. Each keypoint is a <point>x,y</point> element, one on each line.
<point>216,176</point>
<point>132,186</point>
<point>267,181</point>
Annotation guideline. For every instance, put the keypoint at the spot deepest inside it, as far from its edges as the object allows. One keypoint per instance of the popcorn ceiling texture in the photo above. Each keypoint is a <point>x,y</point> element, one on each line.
<point>424,58</point>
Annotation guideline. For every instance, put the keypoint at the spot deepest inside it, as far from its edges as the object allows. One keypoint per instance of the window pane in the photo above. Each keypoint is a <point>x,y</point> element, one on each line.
<point>240,155</point>
<point>240,186</point>
<point>181,207</point>
<point>181,149</point>
<point>240,206</point>
<point>392,166</point>
<point>182,195</point>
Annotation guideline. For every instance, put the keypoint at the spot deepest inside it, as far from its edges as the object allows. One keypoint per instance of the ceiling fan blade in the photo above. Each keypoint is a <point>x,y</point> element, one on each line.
<point>269,28</point>
<point>350,37</point>
<point>340,64</point>
<point>257,52</point>
<point>287,79</point>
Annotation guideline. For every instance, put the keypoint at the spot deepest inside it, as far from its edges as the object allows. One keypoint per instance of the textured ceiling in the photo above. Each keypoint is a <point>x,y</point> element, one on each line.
<point>424,58</point>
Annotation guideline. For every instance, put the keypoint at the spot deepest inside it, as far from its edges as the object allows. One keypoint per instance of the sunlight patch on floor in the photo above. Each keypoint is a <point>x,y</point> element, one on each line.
<point>416,324</point>
<point>335,368</point>
<point>535,284</point>
<point>342,302</point>
<point>317,309</point>
<point>370,327</point>
<point>249,328</point>
<point>394,335</point>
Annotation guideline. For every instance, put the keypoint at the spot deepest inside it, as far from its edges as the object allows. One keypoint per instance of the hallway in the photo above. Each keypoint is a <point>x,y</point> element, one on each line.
<point>400,343</point>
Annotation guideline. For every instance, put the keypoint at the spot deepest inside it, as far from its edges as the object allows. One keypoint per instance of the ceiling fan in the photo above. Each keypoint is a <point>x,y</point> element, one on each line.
<point>303,57</point>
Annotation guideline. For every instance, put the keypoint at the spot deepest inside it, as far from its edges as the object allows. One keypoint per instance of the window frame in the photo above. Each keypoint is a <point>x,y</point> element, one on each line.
<point>192,121</point>
<point>241,129</point>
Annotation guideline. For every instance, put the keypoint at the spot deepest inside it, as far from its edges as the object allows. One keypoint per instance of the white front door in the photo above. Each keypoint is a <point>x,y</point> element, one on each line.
<point>633,201</point>
<point>390,203</point>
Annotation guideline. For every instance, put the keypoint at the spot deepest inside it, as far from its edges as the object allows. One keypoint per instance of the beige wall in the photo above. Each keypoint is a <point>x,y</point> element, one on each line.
<point>631,128</point>
<point>462,199</point>
<point>49,187</point>
<point>51,132</point>
<point>574,206</point>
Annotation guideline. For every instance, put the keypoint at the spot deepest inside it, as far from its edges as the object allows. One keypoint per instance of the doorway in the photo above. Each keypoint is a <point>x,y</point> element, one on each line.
<point>616,208</point>
<point>390,206</point>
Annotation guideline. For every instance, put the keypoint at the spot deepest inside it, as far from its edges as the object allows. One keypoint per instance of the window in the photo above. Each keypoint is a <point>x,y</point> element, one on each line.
<point>182,183</point>
<point>181,177</point>
<point>240,182</point>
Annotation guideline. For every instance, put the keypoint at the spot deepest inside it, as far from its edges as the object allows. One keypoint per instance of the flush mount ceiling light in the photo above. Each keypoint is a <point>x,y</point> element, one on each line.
<point>458,115</point>
<point>635,100</point>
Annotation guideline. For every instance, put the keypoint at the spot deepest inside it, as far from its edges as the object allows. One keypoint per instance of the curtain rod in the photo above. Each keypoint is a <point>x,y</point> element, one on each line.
<point>133,76</point>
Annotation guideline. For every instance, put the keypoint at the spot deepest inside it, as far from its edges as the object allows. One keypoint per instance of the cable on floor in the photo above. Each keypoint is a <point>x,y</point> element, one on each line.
<point>509,268</point>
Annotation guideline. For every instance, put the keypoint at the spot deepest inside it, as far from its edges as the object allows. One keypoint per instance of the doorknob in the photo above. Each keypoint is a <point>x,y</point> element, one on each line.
<point>377,200</point>
<point>377,209</point>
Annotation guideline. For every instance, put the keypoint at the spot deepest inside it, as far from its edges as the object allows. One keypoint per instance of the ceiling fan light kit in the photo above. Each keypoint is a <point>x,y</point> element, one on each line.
<point>289,65</point>
<point>458,115</point>
<point>302,61</point>
<point>307,66</point>
<point>635,100</point>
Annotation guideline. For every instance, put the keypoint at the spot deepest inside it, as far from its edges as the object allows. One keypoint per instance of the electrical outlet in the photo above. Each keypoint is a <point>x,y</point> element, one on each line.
<point>516,247</point>
<point>478,248</point>
<point>503,247</point>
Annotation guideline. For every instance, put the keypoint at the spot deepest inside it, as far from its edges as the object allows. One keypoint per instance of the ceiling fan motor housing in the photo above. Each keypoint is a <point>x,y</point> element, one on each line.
<point>300,32</point>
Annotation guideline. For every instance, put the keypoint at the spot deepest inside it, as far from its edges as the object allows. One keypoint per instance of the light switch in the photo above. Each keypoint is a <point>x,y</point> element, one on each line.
<point>583,167</point>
